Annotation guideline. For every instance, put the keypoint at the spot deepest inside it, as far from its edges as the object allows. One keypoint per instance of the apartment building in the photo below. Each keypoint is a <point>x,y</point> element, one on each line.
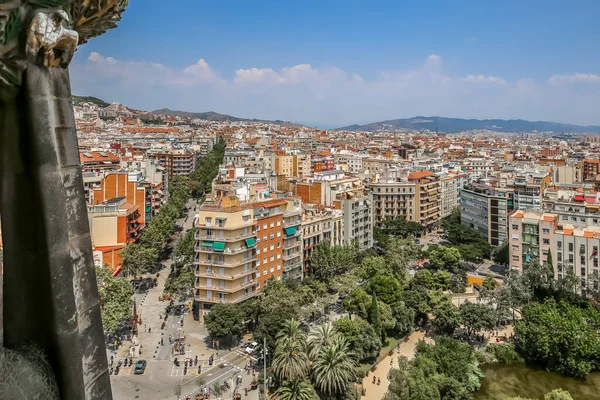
<point>292,240</point>
<point>226,254</point>
<point>428,196</point>
<point>574,250</point>
<point>353,161</point>
<point>528,189</point>
<point>176,162</point>
<point>113,224</point>
<point>578,205</point>
<point>284,165</point>
<point>591,170</point>
<point>394,200</point>
<point>129,185</point>
<point>479,167</point>
<point>485,208</point>
<point>451,185</point>
<point>302,167</point>
<point>320,225</point>
<point>357,211</point>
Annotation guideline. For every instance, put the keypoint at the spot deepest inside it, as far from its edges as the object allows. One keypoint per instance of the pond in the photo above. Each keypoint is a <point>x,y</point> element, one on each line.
<point>504,381</point>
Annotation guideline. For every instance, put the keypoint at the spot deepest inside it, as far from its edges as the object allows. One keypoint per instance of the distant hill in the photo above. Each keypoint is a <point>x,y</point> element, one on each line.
<point>453,125</point>
<point>209,116</point>
<point>214,116</point>
<point>78,100</point>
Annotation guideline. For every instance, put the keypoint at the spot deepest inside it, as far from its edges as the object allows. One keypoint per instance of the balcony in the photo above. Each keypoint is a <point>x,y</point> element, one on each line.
<point>231,289</point>
<point>291,256</point>
<point>226,263</point>
<point>228,238</point>
<point>292,244</point>
<point>230,277</point>
<point>292,222</point>
<point>216,249</point>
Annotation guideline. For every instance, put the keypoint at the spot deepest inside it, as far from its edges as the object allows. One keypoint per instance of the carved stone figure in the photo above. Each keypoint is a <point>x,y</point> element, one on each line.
<point>49,296</point>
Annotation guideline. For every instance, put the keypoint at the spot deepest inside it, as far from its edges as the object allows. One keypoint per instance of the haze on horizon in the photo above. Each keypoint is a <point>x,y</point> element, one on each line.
<point>343,63</point>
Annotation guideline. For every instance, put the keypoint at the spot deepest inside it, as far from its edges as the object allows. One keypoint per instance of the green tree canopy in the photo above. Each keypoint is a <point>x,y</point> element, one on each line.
<point>561,337</point>
<point>387,288</point>
<point>445,258</point>
<point>224,320</point>
<point>477,317</point>
<point>116,299</point>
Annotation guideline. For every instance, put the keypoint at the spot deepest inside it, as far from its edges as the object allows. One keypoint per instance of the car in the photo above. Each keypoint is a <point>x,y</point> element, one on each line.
<point>252,347</point>
<point>140,367</point>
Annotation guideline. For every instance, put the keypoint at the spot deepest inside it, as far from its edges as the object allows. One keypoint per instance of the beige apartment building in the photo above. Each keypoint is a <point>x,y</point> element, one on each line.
<point>319,225</point>
<point>417,198</point>
<point>225,254</point>
<point>534,235</point>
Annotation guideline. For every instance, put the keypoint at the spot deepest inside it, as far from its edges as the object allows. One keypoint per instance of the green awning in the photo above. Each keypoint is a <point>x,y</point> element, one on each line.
<point>290,230</point>
<point>207,244</point>
<point>250,242</point>
<point>219,246</point>
<point>221,218</point>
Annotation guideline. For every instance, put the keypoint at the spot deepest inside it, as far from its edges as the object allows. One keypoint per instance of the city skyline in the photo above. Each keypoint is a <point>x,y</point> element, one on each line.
<point>331,66</point>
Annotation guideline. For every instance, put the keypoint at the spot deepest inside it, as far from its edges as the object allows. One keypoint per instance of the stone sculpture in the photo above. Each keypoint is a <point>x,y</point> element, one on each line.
<point>50,298</point>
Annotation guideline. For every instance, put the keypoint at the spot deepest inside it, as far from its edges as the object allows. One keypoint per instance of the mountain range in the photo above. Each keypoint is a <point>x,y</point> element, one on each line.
<point>453,125</point>
<point>214,116</point>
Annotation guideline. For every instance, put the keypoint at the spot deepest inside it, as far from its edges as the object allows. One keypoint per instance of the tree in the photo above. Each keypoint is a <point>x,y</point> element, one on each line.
<point>399,255</point>
<point>404,317</point>
<point>490,283</point>
<point>297,389</point>
<point>401,227</point>
<point>137,259</point>
<point>116,299</point>
<point>500,254</point>
<point>399,387</point>
<point>372,266</point>
<point>375,317</point>
<point>358,303</point>
<point>387,289</point>
<point>388,322</point>
<point>290,361</point>
<point>276,305</point>
<point>447,318</point>
<point>477,317</point>
<point>362,338</point>
<point>333,369</point>
<point>319,337</point>
<point>560,337</point>
<point>445,258</point>
<point>224,320</point>
<point>513,294</point>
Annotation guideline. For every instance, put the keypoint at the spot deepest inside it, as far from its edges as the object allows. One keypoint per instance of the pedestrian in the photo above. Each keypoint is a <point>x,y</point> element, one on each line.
<point>146,328</point>
<point>149,329</point>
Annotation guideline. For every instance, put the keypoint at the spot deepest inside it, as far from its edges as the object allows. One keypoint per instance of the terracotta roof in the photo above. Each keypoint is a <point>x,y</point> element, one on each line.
<point>268,203</point>
<point>105,249</point>
<point>588,234</point>
<point>95,156</point>
<point>548,218</point>
<point>518,214</point>
<point>568,231</point>
<point>420,174</point>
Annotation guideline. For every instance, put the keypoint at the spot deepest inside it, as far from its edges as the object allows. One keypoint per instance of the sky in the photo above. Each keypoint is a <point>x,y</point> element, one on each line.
<point>334,63</point>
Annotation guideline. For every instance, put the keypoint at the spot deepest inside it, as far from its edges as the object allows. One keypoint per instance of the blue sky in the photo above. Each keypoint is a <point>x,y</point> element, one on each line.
<point>340,62</point>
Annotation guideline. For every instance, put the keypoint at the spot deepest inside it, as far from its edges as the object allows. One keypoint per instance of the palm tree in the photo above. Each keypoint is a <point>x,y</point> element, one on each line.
<point>318,338</point>
<point>290,360</point>
<point>296,389</point>
<point>333,369</point>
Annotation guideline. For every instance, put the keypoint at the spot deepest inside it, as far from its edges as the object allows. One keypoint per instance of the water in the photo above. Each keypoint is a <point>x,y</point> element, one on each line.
<point>504,381</point>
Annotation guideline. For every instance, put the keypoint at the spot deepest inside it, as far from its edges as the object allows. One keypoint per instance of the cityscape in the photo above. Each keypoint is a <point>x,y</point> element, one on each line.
<point>242,256</point>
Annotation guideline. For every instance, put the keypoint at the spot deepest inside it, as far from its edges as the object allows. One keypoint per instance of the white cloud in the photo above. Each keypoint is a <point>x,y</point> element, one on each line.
<point>484,79</point>
<point>574,78</point>
<point>329,94</point>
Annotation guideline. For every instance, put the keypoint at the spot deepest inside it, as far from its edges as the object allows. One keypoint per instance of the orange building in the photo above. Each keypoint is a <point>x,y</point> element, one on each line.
<point>121,184</point>
<point>269,240</point>
<point>113,224</point>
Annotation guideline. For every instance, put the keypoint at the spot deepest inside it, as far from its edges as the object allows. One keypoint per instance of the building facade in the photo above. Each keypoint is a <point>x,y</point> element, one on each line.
<point>485,209</point>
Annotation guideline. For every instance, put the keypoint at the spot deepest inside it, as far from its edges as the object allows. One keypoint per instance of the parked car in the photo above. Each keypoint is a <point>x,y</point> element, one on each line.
<point>252,348</point>
<point>140,367</point>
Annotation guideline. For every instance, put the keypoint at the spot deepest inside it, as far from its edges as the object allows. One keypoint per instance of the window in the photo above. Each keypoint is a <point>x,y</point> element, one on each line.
<point>571,258</point>
<point>264,272</point>
<point>272,236</point>
<point>272,268</point>
<point>264,226</point>
<point>515,258</point>
<point>257,263</point>
<point>272,257</point>
<point>265,238</point>
<point>570,246</point>
<point>278,223</point>
<point>272,224</point>
<point>265,260</point>
<point>258,285</point>
<point>278,267</point>
<point>559,256</point>
<point>278,244</point>
<point>278,256</point>
<point>208,220</point>
<point>582,260</point>
<point>559,245</point>
<point>265,249</point>
<point>545,231</point>
<point>272,246</point>
<point>257,251</point>
<point>278,234</point>
<point>546,241</point>
<point>278,277</point>
<point>245,218</point>
<point>515,227</point>
<point>257,228</point>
